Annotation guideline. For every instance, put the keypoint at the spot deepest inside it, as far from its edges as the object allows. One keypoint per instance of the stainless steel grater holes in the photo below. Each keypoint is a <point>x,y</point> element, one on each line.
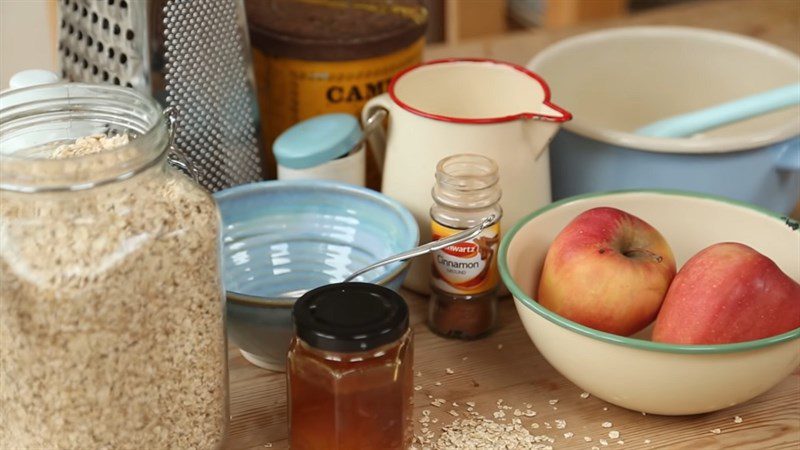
<point>191,55</point>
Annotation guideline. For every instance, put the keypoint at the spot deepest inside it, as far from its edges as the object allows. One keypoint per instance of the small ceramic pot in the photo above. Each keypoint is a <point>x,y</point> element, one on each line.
<point>326,147</point>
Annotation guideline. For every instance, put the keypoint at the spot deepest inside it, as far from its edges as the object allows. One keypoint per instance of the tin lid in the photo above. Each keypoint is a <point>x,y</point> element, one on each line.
<point>317,140</point>
<point>350,317</point>
<point>334,30</point>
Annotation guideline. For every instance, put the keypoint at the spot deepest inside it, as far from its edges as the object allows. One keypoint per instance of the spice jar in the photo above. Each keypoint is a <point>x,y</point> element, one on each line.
<point>349,369</point>
<point>464,280</point>
<point>111,306</point>
<point>314,57</point>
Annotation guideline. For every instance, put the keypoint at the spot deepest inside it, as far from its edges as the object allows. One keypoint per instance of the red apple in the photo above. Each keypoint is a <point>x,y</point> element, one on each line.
<point>608,270</point>
<point>728,293</point>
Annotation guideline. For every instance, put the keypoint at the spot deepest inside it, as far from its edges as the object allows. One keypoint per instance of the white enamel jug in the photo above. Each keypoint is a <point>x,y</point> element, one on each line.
<point>445,107</point>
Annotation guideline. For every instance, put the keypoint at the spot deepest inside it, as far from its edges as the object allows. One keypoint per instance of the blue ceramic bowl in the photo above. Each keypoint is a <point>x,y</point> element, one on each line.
<point>282,238</point>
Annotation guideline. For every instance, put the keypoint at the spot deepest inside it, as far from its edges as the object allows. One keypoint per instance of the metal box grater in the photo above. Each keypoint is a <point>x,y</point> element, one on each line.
<point>191,55</point>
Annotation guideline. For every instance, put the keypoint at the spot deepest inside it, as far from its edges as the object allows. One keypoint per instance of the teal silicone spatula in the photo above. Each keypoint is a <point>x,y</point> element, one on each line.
<point>694,122</point>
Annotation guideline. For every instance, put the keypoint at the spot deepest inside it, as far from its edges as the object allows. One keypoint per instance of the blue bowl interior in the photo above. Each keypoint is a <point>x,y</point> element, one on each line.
<point>282,238</point>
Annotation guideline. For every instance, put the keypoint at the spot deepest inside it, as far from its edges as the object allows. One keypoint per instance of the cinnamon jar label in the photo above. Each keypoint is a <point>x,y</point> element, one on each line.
<point>469,267</point>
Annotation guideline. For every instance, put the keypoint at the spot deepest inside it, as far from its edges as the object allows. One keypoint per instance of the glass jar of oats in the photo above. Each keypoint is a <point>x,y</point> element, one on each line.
<point>111,305</point>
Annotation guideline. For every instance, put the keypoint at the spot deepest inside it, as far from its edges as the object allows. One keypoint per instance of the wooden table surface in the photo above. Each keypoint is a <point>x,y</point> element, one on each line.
<point>506,365</point>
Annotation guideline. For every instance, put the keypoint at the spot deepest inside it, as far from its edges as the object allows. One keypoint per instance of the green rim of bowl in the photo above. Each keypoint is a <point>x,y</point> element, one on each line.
<point>622,340</point>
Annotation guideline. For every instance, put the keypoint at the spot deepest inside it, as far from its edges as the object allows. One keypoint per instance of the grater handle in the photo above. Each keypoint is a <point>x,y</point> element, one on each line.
<point>175,156</point>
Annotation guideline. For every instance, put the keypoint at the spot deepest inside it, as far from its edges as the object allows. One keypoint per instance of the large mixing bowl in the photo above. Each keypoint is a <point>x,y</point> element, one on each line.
<point>634,372</point>
<point>282,238</point>
<point>617,80</point>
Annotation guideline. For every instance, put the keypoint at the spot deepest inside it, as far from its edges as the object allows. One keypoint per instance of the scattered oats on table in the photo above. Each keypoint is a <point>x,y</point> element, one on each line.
<point>553,402</point>
<point>613,434</point>
<point>607,425</point>
<point>587,439</point>
<point>737,419</point>
<point>438,383</point>
<point>647,441</point>
<point>561,424</point>
<point>568,434</point>
<point>417,388</point>
<point>449,371</point>
<point>603,442</point>
<point>716,431</point>
<point>584,395</point>
<point>621,442</point>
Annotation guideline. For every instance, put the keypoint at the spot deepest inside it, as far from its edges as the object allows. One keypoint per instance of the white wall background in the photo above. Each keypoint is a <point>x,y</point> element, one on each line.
<point>27,37</point>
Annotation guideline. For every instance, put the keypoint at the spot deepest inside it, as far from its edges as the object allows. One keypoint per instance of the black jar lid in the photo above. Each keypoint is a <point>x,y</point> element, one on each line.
<point>350,317</point>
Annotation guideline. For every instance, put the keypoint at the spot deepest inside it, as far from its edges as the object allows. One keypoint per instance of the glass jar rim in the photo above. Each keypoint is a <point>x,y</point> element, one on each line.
<point>483,172</point>
<point>38,113</point>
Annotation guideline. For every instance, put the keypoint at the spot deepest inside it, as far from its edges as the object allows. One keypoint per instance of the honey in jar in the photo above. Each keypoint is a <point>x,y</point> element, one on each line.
<point>350,369</point>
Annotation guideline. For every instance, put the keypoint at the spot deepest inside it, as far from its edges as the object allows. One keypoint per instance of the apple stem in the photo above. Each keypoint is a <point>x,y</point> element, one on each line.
<point>634,252</point>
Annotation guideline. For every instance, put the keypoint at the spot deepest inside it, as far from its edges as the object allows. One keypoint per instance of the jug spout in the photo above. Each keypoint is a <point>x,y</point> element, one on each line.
<point>550,112</point>
<point>539,133</point>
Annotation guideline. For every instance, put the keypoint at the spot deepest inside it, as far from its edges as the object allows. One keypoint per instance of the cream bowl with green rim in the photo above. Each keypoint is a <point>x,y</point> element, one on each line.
<point>634,372</point>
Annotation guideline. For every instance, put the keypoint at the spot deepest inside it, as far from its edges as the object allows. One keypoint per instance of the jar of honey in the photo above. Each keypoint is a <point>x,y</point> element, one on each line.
<point>349,369</point>
<point>314,57</point>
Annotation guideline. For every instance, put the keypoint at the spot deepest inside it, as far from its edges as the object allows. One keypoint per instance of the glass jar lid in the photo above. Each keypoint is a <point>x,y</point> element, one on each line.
<point>350,317</point>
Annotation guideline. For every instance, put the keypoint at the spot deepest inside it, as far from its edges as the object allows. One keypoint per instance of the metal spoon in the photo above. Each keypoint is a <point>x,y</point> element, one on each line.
<point>465,235</point>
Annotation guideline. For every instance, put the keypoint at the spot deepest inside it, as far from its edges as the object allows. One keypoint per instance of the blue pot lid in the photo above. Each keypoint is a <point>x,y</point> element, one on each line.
<point>317,140</point>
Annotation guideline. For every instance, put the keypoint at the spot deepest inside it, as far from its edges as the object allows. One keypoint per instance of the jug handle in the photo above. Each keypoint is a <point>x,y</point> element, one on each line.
<point>372,117</point>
